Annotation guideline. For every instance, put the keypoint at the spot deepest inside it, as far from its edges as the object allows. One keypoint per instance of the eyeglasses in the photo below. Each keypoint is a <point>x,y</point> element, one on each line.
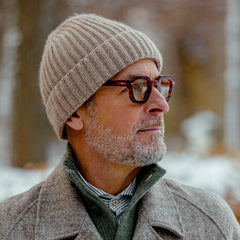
<point>140,87</point>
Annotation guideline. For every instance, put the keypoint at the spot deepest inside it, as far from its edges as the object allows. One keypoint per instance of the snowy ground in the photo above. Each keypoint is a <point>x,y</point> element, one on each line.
<point>217,174</point>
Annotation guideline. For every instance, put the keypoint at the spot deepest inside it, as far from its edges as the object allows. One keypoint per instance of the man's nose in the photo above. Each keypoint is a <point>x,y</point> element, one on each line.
<point>156,103</point>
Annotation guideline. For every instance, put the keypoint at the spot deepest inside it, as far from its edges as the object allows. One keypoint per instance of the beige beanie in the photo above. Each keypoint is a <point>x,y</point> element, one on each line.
<point>82,54</point>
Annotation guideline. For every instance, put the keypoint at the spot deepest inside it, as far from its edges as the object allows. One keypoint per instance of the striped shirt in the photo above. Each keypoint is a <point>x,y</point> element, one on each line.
<point>117,204</point>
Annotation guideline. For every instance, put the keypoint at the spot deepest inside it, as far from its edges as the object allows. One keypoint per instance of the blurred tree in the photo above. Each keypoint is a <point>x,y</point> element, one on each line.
<point>200,58</point>
<point>232,79</point>
<point>2,23</point>
<point>30,131</point>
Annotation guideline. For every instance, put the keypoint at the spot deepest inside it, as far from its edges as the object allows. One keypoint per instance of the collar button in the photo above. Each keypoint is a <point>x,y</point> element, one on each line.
<point>114,202</point>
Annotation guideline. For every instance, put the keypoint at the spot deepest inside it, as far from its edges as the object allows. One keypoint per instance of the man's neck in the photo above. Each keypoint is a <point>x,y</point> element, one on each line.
<point>104,174</point>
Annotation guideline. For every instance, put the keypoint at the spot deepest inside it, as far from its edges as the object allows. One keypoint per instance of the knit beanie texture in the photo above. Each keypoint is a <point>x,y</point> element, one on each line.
<point>80,55</point>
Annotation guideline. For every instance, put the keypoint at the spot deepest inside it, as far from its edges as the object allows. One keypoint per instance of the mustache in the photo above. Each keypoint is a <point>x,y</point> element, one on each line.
<point>152,122</point>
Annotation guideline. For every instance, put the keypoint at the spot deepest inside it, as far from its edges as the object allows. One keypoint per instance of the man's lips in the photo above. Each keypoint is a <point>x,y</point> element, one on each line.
<point>151,129</point>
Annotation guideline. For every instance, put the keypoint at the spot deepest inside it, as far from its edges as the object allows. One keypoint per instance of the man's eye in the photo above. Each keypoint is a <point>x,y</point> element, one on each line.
<point>140,88</point>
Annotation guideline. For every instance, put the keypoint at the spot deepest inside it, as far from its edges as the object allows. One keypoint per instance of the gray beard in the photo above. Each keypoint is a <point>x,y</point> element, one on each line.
<point>122,149</point>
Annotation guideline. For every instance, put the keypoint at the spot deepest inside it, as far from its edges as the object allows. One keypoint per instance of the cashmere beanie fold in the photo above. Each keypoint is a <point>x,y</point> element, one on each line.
<point>80,55</point>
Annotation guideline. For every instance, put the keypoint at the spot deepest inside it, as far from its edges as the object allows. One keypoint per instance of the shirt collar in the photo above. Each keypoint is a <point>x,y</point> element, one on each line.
<point>129,191</point>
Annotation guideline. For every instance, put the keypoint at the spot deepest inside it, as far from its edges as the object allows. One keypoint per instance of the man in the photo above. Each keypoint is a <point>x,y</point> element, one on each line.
<point>100,82</point>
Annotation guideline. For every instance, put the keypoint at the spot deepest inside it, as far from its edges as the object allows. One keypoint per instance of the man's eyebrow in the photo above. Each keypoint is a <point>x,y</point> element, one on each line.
<point>130,76</point>
<point>127,77</point>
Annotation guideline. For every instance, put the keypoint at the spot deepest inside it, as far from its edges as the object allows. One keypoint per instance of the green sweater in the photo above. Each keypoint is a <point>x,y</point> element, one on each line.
<point>100,214</point>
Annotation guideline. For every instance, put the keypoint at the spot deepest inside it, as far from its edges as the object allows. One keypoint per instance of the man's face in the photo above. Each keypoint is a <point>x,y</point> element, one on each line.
<point>123,131</point>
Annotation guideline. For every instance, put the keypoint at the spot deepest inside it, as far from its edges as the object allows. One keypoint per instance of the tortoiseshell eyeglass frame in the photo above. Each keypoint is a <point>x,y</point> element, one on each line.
<point>155,83</point>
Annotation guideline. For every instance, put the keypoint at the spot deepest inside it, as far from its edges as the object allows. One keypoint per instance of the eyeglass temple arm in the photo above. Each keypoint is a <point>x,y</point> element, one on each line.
<point>118,83</point>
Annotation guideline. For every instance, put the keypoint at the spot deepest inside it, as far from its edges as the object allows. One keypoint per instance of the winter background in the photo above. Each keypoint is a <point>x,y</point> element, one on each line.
<point>190,159</point>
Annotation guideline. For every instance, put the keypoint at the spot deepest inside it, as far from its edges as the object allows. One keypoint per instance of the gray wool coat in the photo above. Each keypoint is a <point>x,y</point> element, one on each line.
<point>52,210</point>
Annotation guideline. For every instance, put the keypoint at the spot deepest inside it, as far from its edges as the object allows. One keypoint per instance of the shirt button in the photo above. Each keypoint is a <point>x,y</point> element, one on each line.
<point>114,202</point>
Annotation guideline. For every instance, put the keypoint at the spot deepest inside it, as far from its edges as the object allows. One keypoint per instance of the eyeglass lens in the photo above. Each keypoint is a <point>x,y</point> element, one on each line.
<point>164,87</point>
<point>140,88</point>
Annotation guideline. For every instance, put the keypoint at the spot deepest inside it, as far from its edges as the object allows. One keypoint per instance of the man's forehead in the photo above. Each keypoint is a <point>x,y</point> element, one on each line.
<point>141,67</point>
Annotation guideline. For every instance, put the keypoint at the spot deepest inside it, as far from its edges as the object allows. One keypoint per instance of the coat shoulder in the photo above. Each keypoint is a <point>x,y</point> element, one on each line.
<point>200,198</point>
<point>16,208</point>
<point>209,204</point>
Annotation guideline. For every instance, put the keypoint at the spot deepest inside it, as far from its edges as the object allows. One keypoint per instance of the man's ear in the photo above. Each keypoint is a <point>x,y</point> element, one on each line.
<point>75,122</point>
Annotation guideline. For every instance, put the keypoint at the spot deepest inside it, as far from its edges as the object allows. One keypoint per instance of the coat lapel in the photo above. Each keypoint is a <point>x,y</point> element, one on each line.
<point>61,214</point>
<point>158,210</point>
